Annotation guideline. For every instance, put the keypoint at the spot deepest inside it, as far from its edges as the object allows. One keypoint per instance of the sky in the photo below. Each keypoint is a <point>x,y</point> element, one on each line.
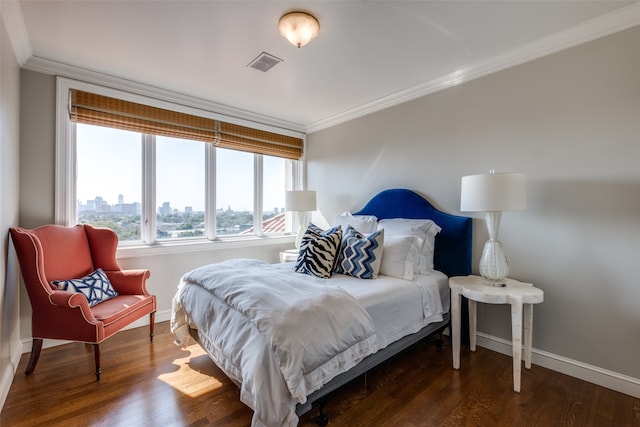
<point>109,164</point>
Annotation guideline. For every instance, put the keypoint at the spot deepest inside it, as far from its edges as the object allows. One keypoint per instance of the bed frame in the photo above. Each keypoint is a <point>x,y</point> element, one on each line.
<point>452,256</point>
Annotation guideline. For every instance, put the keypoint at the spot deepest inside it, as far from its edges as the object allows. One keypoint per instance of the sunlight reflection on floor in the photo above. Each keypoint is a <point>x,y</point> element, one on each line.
<point>187,380</point>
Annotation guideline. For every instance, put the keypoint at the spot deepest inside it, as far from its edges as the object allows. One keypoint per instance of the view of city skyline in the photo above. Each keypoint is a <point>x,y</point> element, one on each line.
<point>100,204</point>
<point>110,167</point>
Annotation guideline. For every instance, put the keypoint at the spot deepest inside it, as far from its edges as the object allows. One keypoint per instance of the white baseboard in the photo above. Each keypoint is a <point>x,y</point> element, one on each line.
<point>9,371</point>
<point>161,316</point>
<point>593,374</point>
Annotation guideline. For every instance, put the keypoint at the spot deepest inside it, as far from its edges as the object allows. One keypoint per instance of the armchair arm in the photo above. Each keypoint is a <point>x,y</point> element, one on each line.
<point>72,300</point>
<point>129,282</point>
<point>66,316</point>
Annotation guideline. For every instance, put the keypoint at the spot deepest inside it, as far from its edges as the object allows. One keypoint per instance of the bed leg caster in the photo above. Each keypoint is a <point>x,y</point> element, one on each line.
<point>322,419</point>
<point>439,341</point>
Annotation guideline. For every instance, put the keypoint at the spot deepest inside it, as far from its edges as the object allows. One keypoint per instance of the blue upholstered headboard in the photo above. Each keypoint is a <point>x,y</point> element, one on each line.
<point>452,253</point>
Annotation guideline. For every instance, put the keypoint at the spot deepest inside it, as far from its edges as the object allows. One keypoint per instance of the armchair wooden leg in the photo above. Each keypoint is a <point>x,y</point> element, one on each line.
<point>36,347</point>
<point>96,353</point>
<point>152,322</point>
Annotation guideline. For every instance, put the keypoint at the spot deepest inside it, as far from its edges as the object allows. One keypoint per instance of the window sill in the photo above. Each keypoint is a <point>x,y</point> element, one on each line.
<point>200,245</point>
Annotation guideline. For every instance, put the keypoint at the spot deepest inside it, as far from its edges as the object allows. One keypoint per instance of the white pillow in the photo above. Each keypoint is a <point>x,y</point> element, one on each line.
<point>425,229</point>
<point>365,224</point>
<point>400,255</point>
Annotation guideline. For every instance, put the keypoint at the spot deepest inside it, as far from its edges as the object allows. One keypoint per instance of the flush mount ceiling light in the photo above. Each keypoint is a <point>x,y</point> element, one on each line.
<point>298,27</point>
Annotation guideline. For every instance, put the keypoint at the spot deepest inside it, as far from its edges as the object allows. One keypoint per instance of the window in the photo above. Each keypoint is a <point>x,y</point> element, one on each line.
<point>155,188</point>
<point>273,177</point>
<point>109,182</point>
<point>234,192</point>
<point>180,194</point>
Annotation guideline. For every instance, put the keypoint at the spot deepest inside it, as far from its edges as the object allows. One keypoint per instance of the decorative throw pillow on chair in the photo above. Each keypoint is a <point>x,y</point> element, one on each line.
<point>95,286</point>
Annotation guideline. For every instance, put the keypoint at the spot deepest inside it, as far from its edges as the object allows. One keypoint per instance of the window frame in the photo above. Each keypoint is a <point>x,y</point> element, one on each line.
<point>66,212</point>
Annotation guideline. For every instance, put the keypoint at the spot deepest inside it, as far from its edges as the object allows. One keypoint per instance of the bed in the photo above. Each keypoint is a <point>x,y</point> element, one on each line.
<point>282,360</point>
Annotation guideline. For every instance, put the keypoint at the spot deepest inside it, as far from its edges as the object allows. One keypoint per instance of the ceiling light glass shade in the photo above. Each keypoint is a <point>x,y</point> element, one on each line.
<point>493,193</point>
<point>298,27</point>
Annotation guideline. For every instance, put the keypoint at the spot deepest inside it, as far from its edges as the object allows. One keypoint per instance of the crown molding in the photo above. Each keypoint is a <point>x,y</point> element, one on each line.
<point>238,116</point>
<point>11,14</point>
<point>612,22</point>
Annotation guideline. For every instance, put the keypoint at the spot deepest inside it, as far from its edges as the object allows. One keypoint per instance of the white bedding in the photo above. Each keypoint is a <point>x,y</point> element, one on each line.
<point>394,308</point>
<point>399,307</point>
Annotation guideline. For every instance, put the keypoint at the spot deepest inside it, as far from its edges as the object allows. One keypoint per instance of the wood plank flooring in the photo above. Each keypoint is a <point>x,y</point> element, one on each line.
<point>159,384</point>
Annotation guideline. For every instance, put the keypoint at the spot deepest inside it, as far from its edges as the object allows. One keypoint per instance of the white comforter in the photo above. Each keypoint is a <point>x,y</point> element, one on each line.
<point>278,334</point>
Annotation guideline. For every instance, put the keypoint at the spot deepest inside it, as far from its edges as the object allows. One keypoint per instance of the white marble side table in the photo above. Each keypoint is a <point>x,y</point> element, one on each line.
<point>521,297</point>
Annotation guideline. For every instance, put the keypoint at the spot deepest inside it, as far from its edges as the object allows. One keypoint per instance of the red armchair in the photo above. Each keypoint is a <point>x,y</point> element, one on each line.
<point>54,252</point>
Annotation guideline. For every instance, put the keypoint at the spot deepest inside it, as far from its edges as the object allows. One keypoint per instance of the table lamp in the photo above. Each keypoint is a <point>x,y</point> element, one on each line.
<point>493,193</point>
<point>300,202</point>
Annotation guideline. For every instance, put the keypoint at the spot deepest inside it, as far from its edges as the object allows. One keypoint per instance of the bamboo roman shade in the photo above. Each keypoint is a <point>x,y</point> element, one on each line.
<point>100,110</point>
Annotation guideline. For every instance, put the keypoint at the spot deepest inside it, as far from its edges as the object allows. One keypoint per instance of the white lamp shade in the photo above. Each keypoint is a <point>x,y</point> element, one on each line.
<point>493,192</point>
<point>300,201</point>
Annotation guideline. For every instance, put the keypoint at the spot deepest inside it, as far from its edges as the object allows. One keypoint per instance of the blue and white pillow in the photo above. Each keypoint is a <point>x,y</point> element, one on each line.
<point>319,251</point>
<point>95,286</point>
<point>360,256</point>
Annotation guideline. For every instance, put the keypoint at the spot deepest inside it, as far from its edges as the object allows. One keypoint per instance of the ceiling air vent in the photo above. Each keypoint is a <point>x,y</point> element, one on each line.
<point>264,62</point>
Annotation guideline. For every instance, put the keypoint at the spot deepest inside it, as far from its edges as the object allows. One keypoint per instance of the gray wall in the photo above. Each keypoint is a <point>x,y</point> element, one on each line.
<point>37,149</point>
<point>37,163</point>
<point>571,123</point>
<point>10,348</point>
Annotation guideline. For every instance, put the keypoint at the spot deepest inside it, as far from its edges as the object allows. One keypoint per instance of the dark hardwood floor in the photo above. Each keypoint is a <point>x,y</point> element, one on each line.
<point>159,384</point>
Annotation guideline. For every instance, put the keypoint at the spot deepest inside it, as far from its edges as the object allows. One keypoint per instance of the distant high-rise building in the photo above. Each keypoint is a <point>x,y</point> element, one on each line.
<point>101,205</point>
<point>165,209</point>
<point>120,199</point>
<point>188,209</point>
<point>130,208</point>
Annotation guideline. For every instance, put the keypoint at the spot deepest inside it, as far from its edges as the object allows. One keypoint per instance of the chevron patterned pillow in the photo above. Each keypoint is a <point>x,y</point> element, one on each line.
<point>360,255</point>
<point>95,286</point>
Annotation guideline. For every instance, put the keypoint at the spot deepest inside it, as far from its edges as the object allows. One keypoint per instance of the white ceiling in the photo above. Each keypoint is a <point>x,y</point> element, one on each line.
<point>368,55</point>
